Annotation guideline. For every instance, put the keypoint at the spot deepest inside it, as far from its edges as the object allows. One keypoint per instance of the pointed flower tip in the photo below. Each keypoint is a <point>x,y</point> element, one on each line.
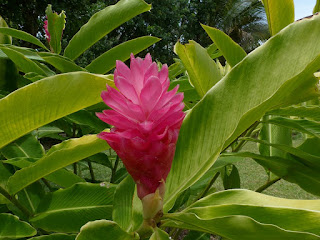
<point>48,36</point>
<point>146,119</point>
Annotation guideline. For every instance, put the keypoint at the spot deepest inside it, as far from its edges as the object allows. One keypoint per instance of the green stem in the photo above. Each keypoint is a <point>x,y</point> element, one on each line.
<point>268,184</point>
<point>91,171</point>
<point>12,199</point>
<point>145,230</point>
<point>205,191</point>
<point>47,184</point>
<point>75,168</point>
<point>247,134</point>
<point>114,170</point>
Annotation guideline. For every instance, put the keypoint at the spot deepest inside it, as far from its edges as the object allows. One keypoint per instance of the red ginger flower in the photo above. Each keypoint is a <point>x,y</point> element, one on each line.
<point>48,36</point>
<point>146,119</point>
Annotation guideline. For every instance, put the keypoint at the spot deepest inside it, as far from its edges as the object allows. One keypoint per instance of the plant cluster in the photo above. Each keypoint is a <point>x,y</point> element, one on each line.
<point>160,185</point>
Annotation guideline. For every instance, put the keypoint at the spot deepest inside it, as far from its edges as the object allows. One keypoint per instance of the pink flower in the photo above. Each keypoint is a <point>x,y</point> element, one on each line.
<point>146,119</point>
<point>47,31</point>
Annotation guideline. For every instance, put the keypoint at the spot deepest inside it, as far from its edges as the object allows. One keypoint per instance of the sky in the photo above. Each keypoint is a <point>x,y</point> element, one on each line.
<point>303,8</point>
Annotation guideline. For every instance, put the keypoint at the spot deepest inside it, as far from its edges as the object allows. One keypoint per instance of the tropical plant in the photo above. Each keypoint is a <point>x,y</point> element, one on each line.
<point>227,106</point>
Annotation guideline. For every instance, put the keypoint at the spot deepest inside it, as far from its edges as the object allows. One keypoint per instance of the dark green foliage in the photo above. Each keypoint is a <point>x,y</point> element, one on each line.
<point>171,20</point>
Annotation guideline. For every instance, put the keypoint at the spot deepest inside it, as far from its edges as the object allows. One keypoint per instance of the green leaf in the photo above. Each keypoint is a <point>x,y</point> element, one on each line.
<point>56,24</point>
<point>96,28</point>
<point>54,236</point>
<point>190,94</point>
<point>84,117</point>
<point>306,126</point>
<point>312,112</point>
<point>26,146</point>
<point>68,209</point>
<point>47,100</point>
<point>275,135</point>
<point>230,177</point>
<point>61,63</point>
<point>4,39</point>
<point>291,170</point>
<point>316,7</point>
<point>30,196</point>
<point>202,70</point>
<point>12,228</point>
<point>176,69</point>
<point>46,131</point>
<point>268,79</point>
<point>102,159</point>
<point>213,51</point>
<point>22,35</point>
<point>4,175</point>
<point>123,206</point>
<point>159,235</point>
<point>24,64</point>
<point>310,146</point>
<point>279,14</point>
<point>99,229</point>
<point>27,52</point>
<point>250,215</point>
<point>232,52</point>
<point>193,235</point>
<point>239,228</point>
<point>107,61</point>
<point>59,156</point>
<point>309,160</point>
<point>61,177</point>
<point>8,75</point>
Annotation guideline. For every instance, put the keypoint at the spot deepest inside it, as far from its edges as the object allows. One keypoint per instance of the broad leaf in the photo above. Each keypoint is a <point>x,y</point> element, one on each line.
<point>312,112</point>
<point>309,160</point>
<point>230,177</point>
<point>46,131</point>
<point>84,117</point>
<point>12,228</point>
<point>96,28</point>
<point>4,175</point>
<point>61,63</point>
<point>55,236</point>
<point>107,61</point>
<point>4,39</point>
<point>22,35</point>
<point>202,70</point>
<point>59,156</point>
<point>159,235</point>
<point>250,215</point>
<point>69,209</point>
<point>47,100</point>
<point>176,69</point>
<point>193,235</point>
<point>291,170</point>
<point>27,52</point>
<point>61,177</point>
<point>26,146</point>
<point>279,14</point>
<point>99,229</point>
<point>191,97</point>
<point>271,76</point>
<point>302,125</point>
<point>122,208</point>
<point>24,64</point>
<point>230,49</point>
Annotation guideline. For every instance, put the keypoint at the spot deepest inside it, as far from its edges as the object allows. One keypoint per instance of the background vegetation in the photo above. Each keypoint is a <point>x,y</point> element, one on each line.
<point>243,20</point>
